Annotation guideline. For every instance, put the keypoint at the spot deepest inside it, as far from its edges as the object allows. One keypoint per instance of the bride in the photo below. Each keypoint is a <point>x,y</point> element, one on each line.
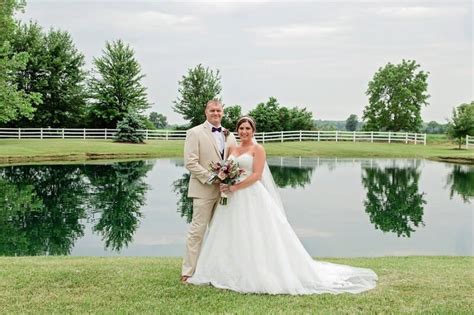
<point>251,247</point>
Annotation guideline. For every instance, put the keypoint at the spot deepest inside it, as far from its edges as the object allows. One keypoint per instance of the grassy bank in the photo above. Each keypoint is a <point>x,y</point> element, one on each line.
<point>19,151</point>
<point>150,285</point>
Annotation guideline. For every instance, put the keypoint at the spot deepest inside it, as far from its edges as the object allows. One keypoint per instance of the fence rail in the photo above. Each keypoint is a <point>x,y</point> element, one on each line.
<point>469,142</point>
<point>278,136</point>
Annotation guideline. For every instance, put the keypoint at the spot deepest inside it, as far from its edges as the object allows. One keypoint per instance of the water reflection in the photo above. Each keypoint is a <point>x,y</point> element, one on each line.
<point>293,177</point>
<point>184,203</point>
<point>44,207</point>
<point>42,217</point>
<point>117,193</point>
<point>393,201</point>
<point>461,181</point>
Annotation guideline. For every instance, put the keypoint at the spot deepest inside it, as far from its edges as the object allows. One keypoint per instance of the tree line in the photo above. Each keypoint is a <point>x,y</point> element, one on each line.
<point>43,83</point>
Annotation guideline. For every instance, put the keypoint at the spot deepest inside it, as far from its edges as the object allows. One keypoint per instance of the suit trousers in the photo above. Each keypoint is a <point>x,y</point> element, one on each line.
<point>203,210</point>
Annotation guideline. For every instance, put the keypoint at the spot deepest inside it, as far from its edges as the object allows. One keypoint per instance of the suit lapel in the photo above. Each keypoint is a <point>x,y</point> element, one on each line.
<point>208,132</point>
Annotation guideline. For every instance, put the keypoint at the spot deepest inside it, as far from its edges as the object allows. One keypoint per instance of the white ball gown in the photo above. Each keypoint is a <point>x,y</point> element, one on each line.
<point>250,247</point>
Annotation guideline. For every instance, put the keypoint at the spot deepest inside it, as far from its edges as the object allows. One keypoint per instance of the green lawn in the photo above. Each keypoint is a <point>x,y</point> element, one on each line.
<point>61,285</point>
<point>20,151</point>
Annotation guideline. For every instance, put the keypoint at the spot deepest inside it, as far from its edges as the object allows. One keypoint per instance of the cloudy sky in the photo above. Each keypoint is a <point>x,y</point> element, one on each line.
<point>314,54</point>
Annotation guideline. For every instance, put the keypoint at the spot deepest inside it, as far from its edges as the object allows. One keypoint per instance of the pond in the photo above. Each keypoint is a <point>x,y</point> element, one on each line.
<point>338,207</point>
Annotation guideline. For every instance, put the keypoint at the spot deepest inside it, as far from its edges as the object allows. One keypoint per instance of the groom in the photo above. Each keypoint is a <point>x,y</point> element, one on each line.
<point>204,143</point>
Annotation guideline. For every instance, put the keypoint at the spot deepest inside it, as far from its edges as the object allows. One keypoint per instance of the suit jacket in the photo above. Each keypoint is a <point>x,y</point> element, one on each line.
<point>200,148</point>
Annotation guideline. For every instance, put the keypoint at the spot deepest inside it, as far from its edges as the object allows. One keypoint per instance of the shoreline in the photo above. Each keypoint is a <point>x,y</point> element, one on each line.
<point>15,152</point>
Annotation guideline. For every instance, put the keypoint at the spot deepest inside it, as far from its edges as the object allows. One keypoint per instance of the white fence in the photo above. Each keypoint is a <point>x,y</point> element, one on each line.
<point>263,137</point>
<point>469,142</point>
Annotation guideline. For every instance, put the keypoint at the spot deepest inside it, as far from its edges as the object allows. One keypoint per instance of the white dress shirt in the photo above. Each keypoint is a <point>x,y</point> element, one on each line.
<point>218,136</point>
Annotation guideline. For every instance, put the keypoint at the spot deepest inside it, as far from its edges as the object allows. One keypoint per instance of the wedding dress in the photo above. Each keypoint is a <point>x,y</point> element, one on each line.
<point>250,247</point>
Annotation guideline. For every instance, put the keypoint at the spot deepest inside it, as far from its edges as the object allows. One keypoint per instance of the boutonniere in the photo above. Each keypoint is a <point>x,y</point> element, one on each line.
<point>226,132</point>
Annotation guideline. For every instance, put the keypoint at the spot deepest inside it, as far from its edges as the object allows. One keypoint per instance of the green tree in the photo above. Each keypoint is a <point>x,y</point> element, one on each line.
<point>231,116</point>
<point>351,122</point>
<point>434,128</point>
<point>8,24</point>
<point>115,87</point>
<point>196,88</point>
<point>293,177</point>
<point>300,119</point>
<point>462,122</point>
<point>128,127</point>
<point>267,116</point>
<point>55,71</point>
<point>159,120</point>
<point>15,103</point>
<point>396,96</point>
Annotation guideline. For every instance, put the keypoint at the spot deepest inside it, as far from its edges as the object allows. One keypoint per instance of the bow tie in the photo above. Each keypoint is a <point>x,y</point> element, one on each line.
<point>216,129</point>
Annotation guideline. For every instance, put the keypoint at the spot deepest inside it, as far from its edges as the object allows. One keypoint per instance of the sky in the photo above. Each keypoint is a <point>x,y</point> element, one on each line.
<point>314,54</point>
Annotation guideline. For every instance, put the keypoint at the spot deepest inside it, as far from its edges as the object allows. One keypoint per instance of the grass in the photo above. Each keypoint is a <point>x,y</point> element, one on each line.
<point>20,151</point>
<point>150,285</point>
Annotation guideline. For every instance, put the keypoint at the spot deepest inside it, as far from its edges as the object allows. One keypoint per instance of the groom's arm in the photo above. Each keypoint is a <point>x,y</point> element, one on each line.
<point>191,157</point>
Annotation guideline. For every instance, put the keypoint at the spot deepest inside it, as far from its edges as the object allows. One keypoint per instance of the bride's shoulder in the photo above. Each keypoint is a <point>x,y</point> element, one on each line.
<point>259,149</point>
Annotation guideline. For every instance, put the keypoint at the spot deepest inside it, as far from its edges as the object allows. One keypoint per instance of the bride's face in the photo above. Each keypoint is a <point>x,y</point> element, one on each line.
<point>245,131</point>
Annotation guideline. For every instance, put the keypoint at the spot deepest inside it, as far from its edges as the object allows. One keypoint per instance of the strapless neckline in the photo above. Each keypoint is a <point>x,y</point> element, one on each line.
<point>237,156</point>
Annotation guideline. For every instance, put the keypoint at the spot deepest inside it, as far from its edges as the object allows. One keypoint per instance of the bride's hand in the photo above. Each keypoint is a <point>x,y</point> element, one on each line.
<point>224,187</point>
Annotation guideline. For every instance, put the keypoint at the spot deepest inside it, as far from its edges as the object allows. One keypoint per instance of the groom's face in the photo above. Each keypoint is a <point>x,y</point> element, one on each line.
<point>214,113</point>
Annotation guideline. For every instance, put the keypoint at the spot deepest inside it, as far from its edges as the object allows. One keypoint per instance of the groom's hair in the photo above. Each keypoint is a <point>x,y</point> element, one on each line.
<point>214,101</point>
<point>246,119</point>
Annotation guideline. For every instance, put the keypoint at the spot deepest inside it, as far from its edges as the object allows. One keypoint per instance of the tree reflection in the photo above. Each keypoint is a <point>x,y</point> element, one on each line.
<point>293,177</point>
<point>393,202</point>
<point>41,209</point>
<point>184,203</point>
<point>461,181</point>
<point>117,194</point>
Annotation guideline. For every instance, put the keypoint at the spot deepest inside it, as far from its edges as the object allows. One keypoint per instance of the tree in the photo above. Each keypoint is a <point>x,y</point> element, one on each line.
<point>396,96</point>
<point>14,102</point>
<point>159,120</point>
<point>55,71</point>
<point>270,116</point>
<point>266,116</point>
<point>116,89</point>
<point>231,116</point>
<point>462,122</point>
<point>351,123</point>
<point>433,127</point>
<point>127,129</point>
<point>7,20</point>
<point>196,88</point>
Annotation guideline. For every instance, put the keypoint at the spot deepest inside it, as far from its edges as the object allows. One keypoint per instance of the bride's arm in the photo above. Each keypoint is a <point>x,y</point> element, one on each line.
<point>258,164</point>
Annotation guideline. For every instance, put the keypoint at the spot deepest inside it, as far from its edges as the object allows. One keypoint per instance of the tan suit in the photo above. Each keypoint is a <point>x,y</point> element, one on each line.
<point>200,149</point>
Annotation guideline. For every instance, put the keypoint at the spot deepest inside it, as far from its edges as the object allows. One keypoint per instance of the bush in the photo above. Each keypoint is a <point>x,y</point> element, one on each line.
<point>127,129</point>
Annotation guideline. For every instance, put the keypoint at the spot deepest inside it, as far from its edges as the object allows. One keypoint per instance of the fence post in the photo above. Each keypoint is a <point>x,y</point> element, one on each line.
<point>62,133</point>
<point>105,133</point>
<point>84,133</point>
<point>416,136</point>
<point>467,141</point>
<point>146,134</point>
<point>371,136</point>
<point>300,134</point>
<point>166,135</point>
<point>389,137</point>
<point>263,137</point>
<point>424,139</point>
<point>406,137</point>
<point>19,133</point>
<point>41,133</point>
<point>319,135</point>
<point>353,136</point>
<point>336,135</point>
<point>281,135</point>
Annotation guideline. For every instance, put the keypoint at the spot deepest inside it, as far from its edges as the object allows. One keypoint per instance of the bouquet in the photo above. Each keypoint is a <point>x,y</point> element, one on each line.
<point>226,172</point>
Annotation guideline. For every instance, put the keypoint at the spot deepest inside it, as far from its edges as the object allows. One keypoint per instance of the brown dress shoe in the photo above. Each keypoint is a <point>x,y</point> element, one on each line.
<point>184,279</point>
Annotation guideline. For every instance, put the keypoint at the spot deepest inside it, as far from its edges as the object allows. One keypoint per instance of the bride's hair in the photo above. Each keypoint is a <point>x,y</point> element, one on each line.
<point>246,119</point>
